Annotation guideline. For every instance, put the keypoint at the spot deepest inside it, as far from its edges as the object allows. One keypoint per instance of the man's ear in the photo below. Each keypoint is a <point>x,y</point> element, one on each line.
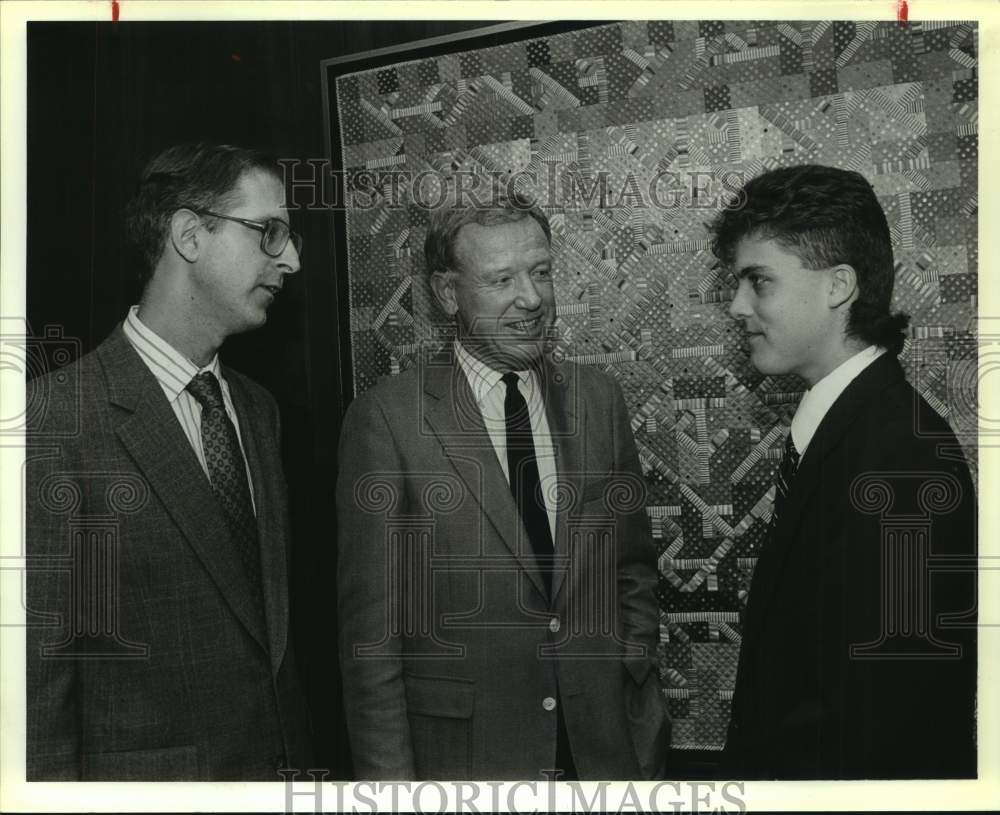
<point>184,234</point>
<point>843,285</point>
<point>443,286</point>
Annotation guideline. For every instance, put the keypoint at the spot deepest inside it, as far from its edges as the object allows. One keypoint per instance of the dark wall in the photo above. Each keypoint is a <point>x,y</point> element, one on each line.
<point>102,99</point>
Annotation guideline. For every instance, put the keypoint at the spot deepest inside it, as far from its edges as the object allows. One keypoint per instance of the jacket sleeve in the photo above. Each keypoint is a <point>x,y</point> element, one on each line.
<point>638,606</point>
<point>911,655</point>
<point>370,487</point>
<point>636,558</point>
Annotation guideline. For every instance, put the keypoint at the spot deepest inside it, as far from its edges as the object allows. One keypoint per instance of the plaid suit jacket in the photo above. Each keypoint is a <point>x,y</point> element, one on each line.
<point>146,658</point>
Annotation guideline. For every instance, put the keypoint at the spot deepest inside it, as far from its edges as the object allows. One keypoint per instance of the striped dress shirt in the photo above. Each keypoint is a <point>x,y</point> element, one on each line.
<point>173,371</point>
<point>490,392</point>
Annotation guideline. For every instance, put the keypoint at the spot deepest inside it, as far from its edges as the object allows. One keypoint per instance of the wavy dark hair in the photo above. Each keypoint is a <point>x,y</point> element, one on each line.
<point>202,176</point>
<point>826,216</point>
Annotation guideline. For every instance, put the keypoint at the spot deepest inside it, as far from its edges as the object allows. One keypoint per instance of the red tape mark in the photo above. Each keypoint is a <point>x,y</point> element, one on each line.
<point>114,11</point>
<point>902,11</point>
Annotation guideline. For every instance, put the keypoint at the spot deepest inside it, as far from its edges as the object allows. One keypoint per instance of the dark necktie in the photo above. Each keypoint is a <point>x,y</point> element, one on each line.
<point>783,480</point>
<point>227,472</point>
<point>523,472</point>
<point>524,484</point>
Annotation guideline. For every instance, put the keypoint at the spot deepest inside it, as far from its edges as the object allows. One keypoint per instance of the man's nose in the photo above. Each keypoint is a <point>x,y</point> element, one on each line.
<point>740,307</point>
<point>528,297</point>
<point>289,261</point>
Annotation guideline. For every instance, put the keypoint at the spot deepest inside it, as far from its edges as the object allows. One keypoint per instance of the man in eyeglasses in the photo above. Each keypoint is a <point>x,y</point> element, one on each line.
<point>157,525</point>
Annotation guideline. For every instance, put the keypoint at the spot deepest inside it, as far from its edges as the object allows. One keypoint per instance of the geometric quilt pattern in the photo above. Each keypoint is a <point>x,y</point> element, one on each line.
<point>631,135</point>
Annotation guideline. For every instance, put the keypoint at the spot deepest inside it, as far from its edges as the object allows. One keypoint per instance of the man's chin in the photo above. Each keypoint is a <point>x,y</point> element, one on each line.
<point>529,352</point>
<point>252,320</point>
<point>514,357</point>
<point>759,363</point>
<point>768,366</point>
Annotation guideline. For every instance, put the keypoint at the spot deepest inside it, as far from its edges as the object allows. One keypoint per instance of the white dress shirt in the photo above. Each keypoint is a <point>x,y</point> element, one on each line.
<point>820,397</point>
<point>174,371</point>
<point>490,391</point>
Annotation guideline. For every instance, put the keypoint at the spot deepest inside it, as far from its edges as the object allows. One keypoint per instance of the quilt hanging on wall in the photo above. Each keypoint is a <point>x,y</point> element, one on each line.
<point>631,135</point>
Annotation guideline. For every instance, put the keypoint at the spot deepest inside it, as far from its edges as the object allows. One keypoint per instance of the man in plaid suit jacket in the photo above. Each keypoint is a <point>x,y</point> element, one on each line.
<point>158,643</point>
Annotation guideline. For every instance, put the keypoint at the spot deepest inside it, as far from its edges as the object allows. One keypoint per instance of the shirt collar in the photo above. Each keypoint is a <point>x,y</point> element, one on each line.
<point>820,397</point>
<point>171,368</point>
<point>482,378</point>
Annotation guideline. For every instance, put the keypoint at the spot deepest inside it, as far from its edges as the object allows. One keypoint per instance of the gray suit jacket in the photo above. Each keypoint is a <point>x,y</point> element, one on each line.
<point>146,659</point>
<point>451,650</point>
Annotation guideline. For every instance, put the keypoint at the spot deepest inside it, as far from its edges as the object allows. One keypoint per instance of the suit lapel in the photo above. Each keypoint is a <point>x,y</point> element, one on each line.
<point>260,447</point>
<point>566,426</point>
<point>153,437</point>
<point>836,425</point>
<point>450,410</point>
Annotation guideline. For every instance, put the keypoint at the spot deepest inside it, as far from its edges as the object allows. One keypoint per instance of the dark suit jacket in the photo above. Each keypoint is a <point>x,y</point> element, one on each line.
<point>145,657</point>
<point>882,465</point>
<point>451,651</point>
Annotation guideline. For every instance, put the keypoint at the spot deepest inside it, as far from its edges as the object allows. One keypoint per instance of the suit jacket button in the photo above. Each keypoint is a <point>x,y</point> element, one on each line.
<point>554,625</point>
<point>549,703</point>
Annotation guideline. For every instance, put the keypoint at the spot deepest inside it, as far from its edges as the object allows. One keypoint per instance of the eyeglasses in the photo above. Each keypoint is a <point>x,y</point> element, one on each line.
<point>275,233</point>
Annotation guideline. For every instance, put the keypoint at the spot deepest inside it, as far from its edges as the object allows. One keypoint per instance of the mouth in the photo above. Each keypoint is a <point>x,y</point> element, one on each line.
<point>272,290</point>
<point>527,326</point>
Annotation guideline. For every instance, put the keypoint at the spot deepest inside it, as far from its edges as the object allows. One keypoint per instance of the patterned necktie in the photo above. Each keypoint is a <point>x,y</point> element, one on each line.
<point>783,480</point>
<point>524,482</point>
<point>227,472</point>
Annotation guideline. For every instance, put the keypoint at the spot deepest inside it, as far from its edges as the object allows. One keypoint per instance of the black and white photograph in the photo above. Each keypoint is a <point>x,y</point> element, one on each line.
<point>438,409</point>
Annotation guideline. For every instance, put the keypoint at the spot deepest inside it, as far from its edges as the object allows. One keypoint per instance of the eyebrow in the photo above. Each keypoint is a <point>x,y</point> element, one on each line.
<point>510,270</point>
<point>266,218</point>
<point>750,269</point>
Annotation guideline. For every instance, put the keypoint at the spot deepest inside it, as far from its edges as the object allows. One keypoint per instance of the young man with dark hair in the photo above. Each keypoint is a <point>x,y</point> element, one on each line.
<point>496,571</point>
<point>858,657</point>
<point>158,640</point>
